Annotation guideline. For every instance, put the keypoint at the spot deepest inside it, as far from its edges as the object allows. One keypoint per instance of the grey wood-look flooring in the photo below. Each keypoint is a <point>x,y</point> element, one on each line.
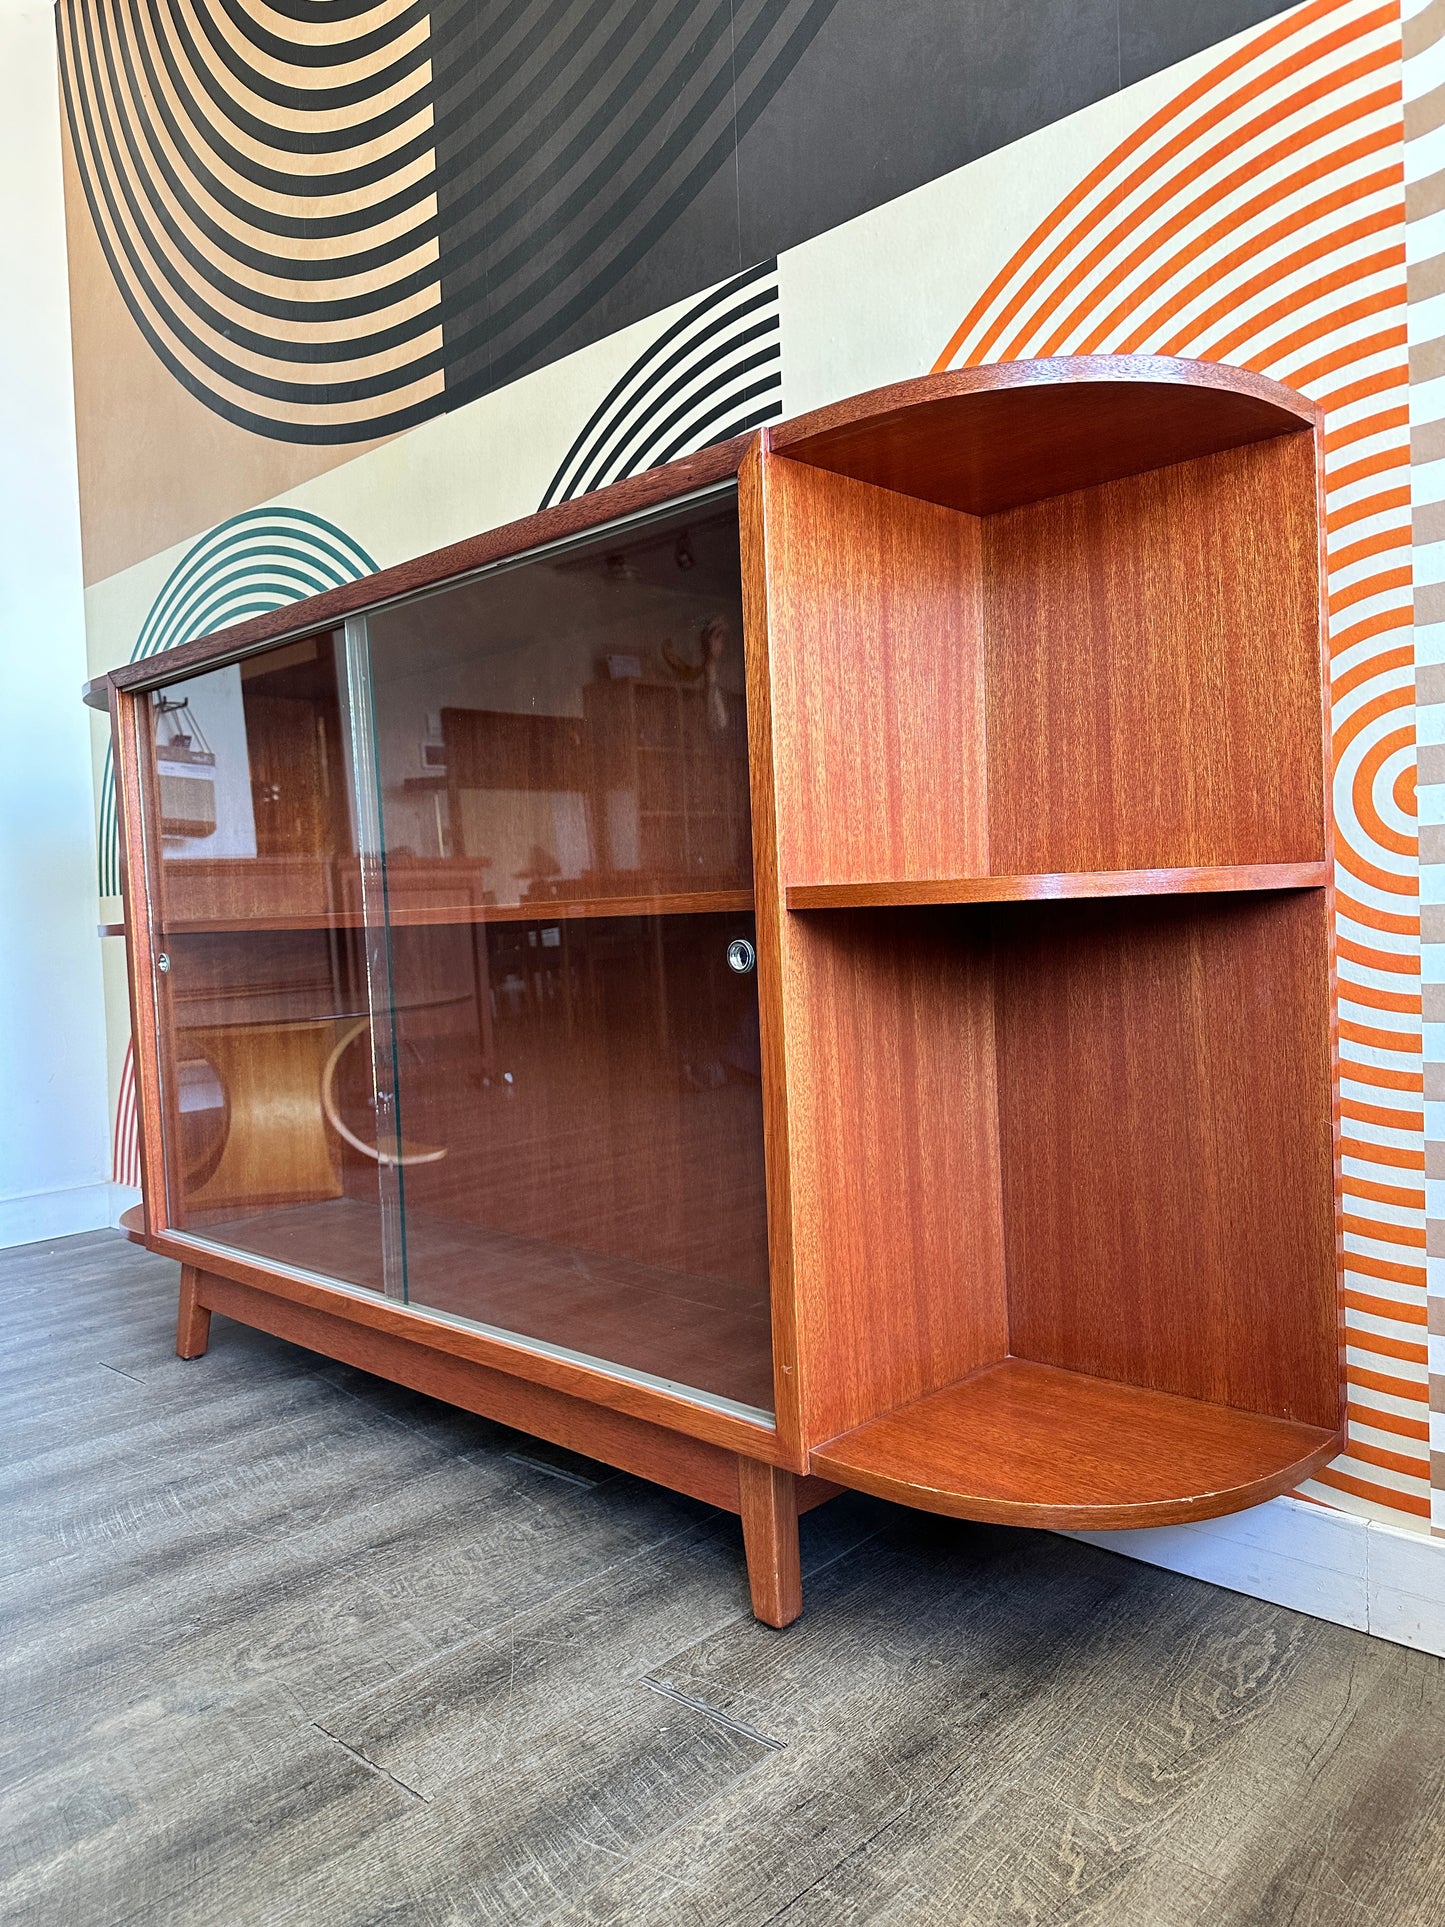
<point>283,1643</point>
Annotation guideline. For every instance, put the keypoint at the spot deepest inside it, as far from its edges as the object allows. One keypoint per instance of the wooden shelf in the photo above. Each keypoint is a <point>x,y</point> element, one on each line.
<point>1023,1444</point>
<point>711,1334</point>
<point>694,903</point>
<point>676,903</point>
<point>1077,883</point>
<point>985,440</point>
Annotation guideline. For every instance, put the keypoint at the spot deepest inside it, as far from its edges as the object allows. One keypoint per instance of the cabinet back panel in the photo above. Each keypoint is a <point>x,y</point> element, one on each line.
<point>876,656</point>
<point>1153,653</point>
<point>1165,1129</point>
<point>898,1259</point>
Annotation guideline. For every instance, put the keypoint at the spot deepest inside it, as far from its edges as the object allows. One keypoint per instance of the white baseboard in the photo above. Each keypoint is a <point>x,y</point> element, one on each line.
<point>1357,1572</point>
<point>38,1215</point>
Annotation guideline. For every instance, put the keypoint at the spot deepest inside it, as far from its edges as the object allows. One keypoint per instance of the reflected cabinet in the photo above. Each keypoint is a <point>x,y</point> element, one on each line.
<point>807,968</point>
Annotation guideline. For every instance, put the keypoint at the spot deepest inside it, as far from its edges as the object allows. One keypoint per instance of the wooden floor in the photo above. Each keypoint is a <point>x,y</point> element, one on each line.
<point>284,1644</point>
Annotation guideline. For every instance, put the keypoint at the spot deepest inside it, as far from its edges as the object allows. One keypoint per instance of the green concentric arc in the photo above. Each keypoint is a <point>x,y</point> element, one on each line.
<point>258,560</point>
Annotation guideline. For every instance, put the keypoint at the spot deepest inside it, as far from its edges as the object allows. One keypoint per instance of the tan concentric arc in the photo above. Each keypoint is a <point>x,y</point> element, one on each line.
<point>261,179</point>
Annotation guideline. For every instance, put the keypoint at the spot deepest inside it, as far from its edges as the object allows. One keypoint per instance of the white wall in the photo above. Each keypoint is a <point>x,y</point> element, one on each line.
<point>53,1116</point>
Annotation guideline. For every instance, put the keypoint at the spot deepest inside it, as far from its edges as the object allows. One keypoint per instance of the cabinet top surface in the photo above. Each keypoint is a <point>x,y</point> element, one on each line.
<point>981,440</point>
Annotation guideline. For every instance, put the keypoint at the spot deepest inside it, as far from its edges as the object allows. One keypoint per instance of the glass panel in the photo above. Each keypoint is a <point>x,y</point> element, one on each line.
<point>562,759</point>
<point>266,1062</point>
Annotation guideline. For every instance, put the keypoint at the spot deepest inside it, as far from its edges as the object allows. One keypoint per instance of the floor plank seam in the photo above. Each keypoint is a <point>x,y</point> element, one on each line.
<point>372,1766</point>
<point>863,1847</point>
<point>713,1713</point>
<point>554,1471</point>
<point>119,1373</point>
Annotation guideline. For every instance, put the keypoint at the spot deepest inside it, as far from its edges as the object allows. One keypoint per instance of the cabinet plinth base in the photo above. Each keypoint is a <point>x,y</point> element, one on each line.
<point>1022,1444</point>
<point>768,1497</point>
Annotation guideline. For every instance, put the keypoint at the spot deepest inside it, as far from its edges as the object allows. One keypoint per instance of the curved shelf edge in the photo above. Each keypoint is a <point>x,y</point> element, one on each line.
<point>1053,886</point>
<point>1022,1444</point>
<point>133,1223</point>
<point>1004,434</point>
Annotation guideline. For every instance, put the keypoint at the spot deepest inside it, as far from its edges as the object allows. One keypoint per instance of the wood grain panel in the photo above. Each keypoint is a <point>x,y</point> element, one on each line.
<point>1079,883</point>
<point>150,1020</point>
<point>875,646</point>
<point>1024,1444</point>
<point>898,1241</point>
<point>1153,669</point>
<point>772,929</point>
<point>1165,1129</point>
<point>992,438</point>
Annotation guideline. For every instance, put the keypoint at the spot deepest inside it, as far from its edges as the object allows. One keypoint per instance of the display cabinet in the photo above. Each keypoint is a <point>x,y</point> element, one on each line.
<point>807,968</point>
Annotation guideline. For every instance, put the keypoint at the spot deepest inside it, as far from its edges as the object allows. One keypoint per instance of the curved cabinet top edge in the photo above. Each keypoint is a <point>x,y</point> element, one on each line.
<point>1004,435</point>
<point>1033,431</point>
<point>1051,371</point>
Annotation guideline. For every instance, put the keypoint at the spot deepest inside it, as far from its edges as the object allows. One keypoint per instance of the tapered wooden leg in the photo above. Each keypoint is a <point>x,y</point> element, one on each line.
<point>769,1504</point>
<point>193,1322</point>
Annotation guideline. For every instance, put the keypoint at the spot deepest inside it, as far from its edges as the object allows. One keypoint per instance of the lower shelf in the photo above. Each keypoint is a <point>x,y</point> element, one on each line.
<point>701,1333</point>
<point>1030,1445</point>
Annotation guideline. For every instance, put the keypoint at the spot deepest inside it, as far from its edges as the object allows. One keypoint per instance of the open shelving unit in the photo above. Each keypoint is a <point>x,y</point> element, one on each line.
<point>1054,929</point>
<point>988,710</point>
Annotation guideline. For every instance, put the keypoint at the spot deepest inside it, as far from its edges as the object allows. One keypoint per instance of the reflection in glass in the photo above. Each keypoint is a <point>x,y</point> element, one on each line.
<point>263,1004</point>
<point>572,729</point>
<point>562,761</point>
<point>448,905</point>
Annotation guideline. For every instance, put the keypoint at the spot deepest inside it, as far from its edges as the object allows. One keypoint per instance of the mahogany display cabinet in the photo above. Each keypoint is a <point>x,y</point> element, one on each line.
<point>807,968</point>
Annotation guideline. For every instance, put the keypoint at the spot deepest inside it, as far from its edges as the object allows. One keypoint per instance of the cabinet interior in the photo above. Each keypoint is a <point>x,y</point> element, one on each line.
<point>1089,1136</point>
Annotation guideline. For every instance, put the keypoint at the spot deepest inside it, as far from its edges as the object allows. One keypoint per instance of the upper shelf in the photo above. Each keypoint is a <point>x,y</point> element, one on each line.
<point>1044,888</point>
<point>275,913</point>
<point>997,437</point>
<point>1022,1444</point>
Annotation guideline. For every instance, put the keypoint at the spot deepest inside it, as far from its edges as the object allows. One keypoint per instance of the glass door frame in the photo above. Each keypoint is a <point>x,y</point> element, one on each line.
<point>130,708</point>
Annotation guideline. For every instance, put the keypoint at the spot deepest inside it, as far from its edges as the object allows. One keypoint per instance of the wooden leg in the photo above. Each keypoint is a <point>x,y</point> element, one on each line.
<point>193,1322</point>
<point>769,1505</point>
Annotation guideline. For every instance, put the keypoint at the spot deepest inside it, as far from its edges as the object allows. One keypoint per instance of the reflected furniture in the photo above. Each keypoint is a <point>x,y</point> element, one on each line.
<point>832,943</point>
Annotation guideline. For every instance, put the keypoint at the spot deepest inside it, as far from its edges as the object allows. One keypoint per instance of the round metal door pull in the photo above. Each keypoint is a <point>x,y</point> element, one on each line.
<point>741,956</point>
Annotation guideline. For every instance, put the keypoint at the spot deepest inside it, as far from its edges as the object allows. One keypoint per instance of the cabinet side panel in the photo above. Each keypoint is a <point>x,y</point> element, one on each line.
<point>874,620</point>
<point>1154,676</point>
<point>156,1128</point>
<point>898,1237</point>
<point>773,929</point>
<point>1166,1135</point>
